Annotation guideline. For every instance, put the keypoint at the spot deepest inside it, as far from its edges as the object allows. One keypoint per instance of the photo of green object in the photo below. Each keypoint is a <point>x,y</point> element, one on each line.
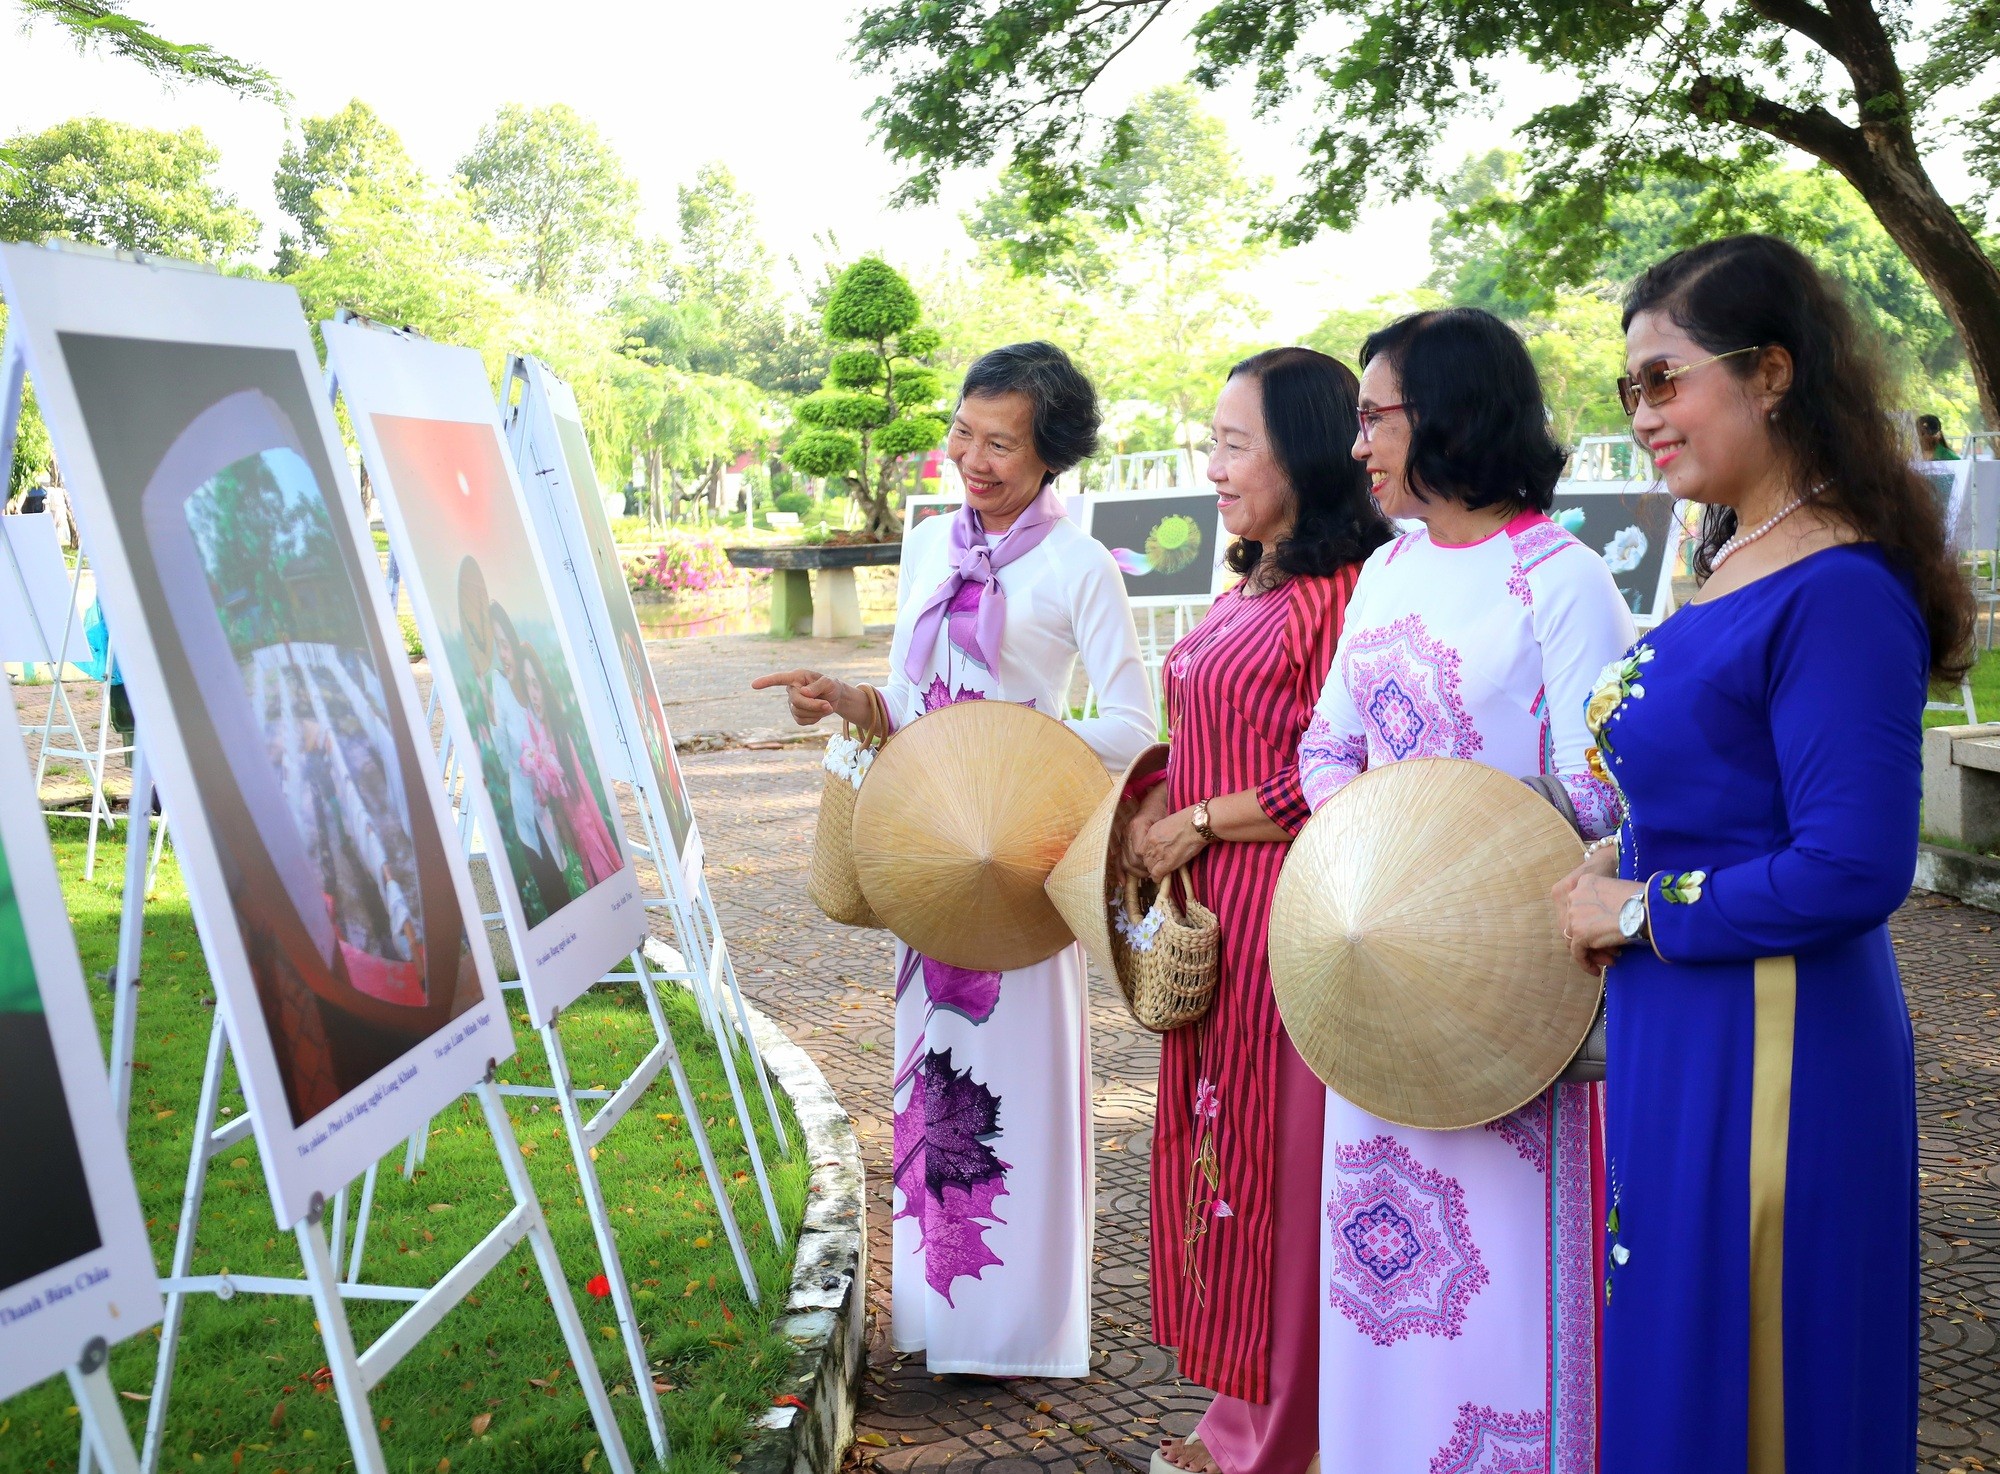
<point>40,1160</point>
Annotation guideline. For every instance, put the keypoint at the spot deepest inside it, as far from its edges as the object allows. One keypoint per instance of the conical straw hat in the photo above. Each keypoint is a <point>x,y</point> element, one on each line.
<point>961,818</point>
<point>1415,953</point>
<point>1083,884</point>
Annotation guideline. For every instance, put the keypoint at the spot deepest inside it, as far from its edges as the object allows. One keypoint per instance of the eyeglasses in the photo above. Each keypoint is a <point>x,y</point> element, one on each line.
<point>1655,381</point>
<point>1370,418</point>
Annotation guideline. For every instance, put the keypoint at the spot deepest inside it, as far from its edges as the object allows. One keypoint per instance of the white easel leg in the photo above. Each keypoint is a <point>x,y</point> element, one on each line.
<point>183,1261</point>
<point>743,1018</point>
<point>690,1111</point>
<point>348,1385</point>
<point>574,1334</point>
<point>607,1240</point>
<point>131,940</point>
<point>106,1440</point>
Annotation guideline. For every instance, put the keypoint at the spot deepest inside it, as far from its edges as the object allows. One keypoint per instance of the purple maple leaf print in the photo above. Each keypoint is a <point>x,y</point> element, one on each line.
<point>961,989</point>
<point>938,695</point>
<point>948,1175</point>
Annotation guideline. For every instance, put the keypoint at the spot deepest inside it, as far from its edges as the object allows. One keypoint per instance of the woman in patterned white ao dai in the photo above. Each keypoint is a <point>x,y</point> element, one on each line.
<point>1458,1319</point>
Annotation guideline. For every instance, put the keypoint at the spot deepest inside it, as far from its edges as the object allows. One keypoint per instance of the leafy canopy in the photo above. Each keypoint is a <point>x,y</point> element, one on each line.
<point>546,180</point>
<point>137,189</point>
<point>340,152</point>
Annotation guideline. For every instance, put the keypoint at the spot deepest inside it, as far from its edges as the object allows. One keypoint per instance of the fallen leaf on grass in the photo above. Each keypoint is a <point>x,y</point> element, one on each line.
<point>481,1423</point>
<point>136,1396</point>
<point>278,1414</point>
<point>440,1207</point>
<point>598,1285</point>
<point>609,1333</point>
<point>702,1241</point>
<point>590,1458</point>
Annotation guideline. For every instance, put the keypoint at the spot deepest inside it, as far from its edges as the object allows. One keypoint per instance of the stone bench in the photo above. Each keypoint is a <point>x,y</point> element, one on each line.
<point>1962,784</point>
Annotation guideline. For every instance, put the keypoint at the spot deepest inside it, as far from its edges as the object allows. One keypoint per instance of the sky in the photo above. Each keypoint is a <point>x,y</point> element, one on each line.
<point>763,85</point>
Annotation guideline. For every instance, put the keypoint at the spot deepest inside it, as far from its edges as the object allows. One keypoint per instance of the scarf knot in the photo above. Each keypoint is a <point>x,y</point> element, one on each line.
<point>970,603</point>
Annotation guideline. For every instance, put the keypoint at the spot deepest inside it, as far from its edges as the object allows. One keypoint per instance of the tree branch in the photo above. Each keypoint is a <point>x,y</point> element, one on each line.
<point>1808,20</point>
<point>102,22</point>
<point>1815,130</point>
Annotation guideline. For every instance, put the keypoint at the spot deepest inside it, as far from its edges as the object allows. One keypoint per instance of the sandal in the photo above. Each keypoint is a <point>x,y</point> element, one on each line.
<point>1161,1464</point>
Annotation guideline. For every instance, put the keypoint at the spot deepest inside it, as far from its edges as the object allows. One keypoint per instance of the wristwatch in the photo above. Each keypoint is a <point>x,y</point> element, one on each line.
<point>1632,917</point>
<point>1201,821</point>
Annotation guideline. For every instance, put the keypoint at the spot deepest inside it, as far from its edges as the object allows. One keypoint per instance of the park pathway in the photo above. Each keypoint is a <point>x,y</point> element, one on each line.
<point>830,988</point>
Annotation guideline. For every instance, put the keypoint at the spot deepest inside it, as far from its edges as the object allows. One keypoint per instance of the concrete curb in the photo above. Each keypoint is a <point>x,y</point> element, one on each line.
<point>1973,879</point>
<point>826,1309</point>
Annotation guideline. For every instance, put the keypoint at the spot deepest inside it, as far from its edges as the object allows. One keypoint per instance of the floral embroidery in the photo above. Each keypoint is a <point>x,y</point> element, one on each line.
<point>1206,1103</point>
<point>1599,808</point>
<point>1487,1442</point>
<point>1615,684</point>
<point>1403,1263</point>
<point>1408,690</point>
<point>1533,546</point>
<point>1684,889</point>
<point>1527,1130</point>
<point>947,1173</point>
<point>1329,760</point>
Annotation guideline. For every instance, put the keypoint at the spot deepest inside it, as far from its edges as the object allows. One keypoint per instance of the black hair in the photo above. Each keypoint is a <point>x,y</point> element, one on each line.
<point>1479,431</point>
<point>1832,425</point>
<point>1309,404</point>
<point>1930,424</point>
<point>1065,404</point>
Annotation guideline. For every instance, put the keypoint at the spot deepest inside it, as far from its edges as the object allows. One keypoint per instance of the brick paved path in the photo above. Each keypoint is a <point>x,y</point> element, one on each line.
<point>830,987</point>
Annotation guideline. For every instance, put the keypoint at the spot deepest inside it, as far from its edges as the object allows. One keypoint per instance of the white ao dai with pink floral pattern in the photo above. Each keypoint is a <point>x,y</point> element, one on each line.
<point>1458,1317</point>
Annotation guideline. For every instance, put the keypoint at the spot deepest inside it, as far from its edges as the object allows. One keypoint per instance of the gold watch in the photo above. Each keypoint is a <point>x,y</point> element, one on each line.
<point>1201,821</point>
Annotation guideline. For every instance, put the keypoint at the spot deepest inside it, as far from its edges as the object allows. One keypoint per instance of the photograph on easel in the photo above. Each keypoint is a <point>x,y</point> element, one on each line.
<point>505,657</point>
<point>78,1264</point>
<point>335,906</point>
<point>431,438</point>
<point>338,880</point>
<point>637,670</point>
<point>1168,545</point>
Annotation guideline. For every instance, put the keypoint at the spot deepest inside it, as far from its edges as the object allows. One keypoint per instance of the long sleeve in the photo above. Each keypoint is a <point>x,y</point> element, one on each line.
<point>1581,625</point>
<point>1846,676</point>
<point>1312,633</point>
<point>1100,615</point>
<point>1334,750</point>
<point>899,693</point>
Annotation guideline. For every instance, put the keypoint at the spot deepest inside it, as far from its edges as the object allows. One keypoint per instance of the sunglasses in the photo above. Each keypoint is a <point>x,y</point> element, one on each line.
<point>1655,381</point>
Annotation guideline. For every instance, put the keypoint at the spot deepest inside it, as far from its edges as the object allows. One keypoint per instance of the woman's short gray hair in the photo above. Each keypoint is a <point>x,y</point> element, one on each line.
<point>1065,404</point>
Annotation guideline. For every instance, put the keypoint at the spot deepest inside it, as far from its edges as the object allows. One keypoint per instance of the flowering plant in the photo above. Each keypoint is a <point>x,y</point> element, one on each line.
<point>682,565</point>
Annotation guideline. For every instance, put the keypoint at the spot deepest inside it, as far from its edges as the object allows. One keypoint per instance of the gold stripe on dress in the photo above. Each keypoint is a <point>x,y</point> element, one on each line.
<point>1777,989</point>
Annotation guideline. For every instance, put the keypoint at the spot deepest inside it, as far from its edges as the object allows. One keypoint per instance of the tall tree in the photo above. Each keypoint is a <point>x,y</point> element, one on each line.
<point>1701,92</point>
<point>331,157</point>
<point>557,193</point>
<point>138,189</point>
<point>1158,230</point>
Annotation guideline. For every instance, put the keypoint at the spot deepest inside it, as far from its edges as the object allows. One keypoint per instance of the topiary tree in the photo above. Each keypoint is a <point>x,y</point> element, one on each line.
<point>880,399</point>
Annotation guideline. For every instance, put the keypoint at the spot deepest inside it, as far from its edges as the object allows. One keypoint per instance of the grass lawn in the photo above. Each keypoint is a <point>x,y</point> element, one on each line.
<point>490,1388</point>
<point>1985,694</point>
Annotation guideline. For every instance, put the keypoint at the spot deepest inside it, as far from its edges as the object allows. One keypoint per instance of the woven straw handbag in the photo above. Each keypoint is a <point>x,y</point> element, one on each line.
<point>830,878</point>
<point>1169,954</point>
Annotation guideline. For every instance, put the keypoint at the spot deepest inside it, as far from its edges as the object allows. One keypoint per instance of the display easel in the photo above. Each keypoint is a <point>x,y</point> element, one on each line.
<point>107,1442</point>
<point>354,1373</point>
<point>684,896</point>
<point>584,1134</point>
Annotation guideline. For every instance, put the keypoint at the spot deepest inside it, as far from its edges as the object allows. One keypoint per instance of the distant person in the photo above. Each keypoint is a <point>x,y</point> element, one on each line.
<point>37,499</point>
<point>1931,444</point>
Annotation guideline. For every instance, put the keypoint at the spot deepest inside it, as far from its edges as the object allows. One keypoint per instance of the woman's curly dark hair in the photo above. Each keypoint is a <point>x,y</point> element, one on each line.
<point>1309,404</point>
<point>1832,424</point>
<point>1479,431</point>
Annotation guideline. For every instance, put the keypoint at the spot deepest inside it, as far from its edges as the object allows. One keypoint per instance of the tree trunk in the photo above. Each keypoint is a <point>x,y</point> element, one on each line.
<point>653,477</point>
<point>1963,278</point>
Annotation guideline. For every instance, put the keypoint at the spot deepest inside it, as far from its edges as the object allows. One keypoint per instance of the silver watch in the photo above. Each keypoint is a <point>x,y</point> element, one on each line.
<point>1632,917</point>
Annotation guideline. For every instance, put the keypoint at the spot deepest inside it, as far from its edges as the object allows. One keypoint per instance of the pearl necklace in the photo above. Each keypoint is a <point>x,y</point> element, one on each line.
<point>1744,539</point>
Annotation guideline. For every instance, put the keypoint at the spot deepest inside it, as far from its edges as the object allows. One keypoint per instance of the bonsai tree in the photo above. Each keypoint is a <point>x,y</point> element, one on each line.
<point>880,399</point>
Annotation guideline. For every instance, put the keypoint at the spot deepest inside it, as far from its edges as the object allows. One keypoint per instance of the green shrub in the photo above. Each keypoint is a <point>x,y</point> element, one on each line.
<point>793,501</point>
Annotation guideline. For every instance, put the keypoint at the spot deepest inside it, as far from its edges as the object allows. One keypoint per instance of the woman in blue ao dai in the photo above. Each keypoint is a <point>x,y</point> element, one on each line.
<point>992,1162</point>
<point>1761,1290</point>
<point>1457,1306</point>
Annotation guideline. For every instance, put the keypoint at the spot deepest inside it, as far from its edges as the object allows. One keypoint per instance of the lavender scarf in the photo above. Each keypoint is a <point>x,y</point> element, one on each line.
<point>970,595</point>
